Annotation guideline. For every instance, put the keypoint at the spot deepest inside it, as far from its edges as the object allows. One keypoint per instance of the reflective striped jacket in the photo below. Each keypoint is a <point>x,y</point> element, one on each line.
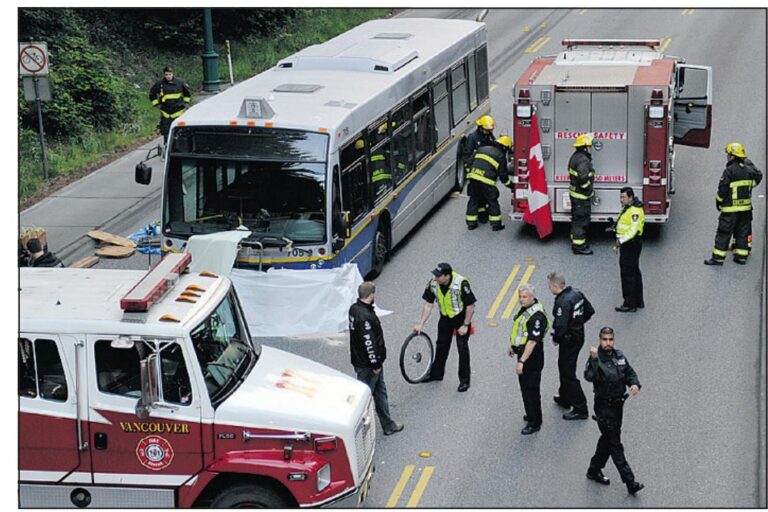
<point>489,164</point>
<point>582,175</point>
<point>734,192</point>
<point>172,97</point>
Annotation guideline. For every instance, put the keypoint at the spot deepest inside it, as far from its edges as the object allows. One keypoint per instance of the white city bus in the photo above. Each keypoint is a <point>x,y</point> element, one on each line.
<point>361,128</point>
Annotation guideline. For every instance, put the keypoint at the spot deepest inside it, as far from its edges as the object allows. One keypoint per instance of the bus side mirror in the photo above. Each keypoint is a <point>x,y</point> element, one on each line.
<point>149,391</point>
<point>347,229</point>
<point>143,173</point>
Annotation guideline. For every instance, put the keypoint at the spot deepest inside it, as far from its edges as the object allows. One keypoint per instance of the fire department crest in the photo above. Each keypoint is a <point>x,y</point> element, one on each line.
<point>154,453</point>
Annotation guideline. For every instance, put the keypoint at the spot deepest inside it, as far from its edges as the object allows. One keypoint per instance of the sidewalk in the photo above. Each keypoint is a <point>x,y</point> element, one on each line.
<point>108,199</point>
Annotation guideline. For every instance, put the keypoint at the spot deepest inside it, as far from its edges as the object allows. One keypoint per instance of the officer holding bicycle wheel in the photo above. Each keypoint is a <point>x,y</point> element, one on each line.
<point>457,304</point>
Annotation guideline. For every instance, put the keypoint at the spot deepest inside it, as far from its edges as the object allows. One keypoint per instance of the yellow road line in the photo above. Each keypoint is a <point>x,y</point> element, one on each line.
<point>513,300</point>
<point>583,11</point>
<point>688,12</point>
<point>420,486</point>
<point>665,44</point>
<point>540,45</point>
<point>398,490</point>
<point>530,48</point>
<point>503,292</point>
<point>493,86</point>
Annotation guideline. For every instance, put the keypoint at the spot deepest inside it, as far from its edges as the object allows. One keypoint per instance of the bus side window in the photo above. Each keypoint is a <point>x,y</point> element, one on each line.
<point>380,167</point>
<point>482,74</point>
<point>354,191</point>
<point>460,94</point>
<point>27,379</point>
<point>422,125</point>
<point>472,82</point>
<point>402,150</point>
<point>440,99</point>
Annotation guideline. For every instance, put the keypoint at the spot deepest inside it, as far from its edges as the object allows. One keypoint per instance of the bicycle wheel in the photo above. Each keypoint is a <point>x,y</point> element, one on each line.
<point>416,357</point>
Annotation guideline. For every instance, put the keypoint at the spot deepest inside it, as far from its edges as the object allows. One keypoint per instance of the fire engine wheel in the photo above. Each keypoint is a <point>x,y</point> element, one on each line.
<point>250,496</point>
<point>416,357</point>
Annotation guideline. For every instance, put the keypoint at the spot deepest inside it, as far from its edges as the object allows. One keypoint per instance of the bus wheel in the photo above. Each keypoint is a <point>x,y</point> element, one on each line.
<point>380,252</point>
<point>250,496</point>
<point>461,177</point>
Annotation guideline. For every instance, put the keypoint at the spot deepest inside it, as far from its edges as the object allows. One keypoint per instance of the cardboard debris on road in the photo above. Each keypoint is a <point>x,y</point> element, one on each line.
<point>109,238</point>
<point>114,251</point>
<point>86,262</point>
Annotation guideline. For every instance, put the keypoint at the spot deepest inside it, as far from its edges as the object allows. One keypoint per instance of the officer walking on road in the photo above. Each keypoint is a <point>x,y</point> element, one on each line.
<point>610,373</point>
<point>734,202</point>
<point>581,191</point>
<point>366,345</point>
<point>172,96</point>
<point>571,311</point>
<point>629,241</point>
<point>526,341</point>
<point>490,163</point>
<point>482,136</point>
<point>457,304</point>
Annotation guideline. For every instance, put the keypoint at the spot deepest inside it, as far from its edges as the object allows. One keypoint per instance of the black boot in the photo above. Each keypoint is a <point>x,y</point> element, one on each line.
<point>713,261</point>
<point>582,250</point>
<point>634,487</point>
<point>598,476</point>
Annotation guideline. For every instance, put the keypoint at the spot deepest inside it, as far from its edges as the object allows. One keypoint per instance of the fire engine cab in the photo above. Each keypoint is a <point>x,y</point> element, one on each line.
<point>637,102</point>
<point>149,392</point>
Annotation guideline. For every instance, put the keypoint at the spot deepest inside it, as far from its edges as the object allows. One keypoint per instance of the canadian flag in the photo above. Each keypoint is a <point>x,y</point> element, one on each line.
<point>538,212</point>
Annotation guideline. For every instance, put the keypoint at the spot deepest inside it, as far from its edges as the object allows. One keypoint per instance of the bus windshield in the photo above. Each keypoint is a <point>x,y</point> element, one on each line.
<point>272,181</point>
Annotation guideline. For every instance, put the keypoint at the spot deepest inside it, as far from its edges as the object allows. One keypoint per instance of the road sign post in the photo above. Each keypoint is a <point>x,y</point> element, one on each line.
<point>33,62</point>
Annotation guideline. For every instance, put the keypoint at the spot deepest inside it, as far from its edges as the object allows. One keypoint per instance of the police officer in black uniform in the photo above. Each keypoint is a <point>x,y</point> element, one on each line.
<point>610,373</point>
<point>368,352</point>
<point>581,190</point>
<point>172,96</point>
<point>457,305</point>
<point>490,163</point>
<point>734,201</point>
<point>570,311</point>
<point>526,341</point>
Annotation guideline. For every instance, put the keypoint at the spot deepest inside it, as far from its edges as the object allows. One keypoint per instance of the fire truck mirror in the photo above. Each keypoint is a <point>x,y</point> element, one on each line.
<point>149,390</point>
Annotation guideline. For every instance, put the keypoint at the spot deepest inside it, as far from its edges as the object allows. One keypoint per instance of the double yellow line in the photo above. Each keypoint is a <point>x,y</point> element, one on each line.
<point>397,492</point>
<point>665,44</point>
<point>538,44</point>
<point>688,12</point>
<point>504,289</point>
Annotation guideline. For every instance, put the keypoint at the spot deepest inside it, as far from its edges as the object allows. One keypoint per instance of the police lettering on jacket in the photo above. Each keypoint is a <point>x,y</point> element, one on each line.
<point>366,338</point>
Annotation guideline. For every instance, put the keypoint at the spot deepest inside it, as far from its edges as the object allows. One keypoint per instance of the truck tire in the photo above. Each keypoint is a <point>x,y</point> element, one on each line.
<point>379,252</point>
<point>250,496</point>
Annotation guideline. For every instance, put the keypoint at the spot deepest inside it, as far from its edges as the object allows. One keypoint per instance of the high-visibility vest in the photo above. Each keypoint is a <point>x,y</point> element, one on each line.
<point>630,224</point>
<point>450,302</point>
<point>519,335</point>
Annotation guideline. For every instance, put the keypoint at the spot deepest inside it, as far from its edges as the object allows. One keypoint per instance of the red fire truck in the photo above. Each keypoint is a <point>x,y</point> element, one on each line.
<point>637,102</point>
<point>148,391</point>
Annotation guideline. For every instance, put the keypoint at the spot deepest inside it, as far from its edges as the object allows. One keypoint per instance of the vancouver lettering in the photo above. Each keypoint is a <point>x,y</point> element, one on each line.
<point>154,428</point>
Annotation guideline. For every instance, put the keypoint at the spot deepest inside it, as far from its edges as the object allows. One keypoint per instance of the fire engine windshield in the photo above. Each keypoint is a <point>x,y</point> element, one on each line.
<point>271,181</point>
<point>224,349</point>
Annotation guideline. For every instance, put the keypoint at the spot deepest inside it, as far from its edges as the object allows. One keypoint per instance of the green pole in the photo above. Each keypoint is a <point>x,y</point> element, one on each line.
<point>210,62</point>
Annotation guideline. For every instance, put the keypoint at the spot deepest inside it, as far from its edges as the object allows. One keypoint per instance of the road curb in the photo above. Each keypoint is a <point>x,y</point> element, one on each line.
<point>762,482</point>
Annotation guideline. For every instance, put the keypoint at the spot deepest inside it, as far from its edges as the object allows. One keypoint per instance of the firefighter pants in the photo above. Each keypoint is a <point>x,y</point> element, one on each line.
<point>631,278</point>
<point>581,210</point>
<point>609,421</point>
<point>164,126</point>
<point>482,210</point>
<point>445,328</point>
<point>530,388</point>
<point>738,225</point>
<point>570,388</point>
<point>480,195</point>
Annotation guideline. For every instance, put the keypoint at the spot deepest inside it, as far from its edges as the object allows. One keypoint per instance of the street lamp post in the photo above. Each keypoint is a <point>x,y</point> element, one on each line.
<point>210,57</point>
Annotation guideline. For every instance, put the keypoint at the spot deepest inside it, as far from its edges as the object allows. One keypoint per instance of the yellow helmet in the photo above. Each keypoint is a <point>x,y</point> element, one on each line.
<point>505,141</point>
<point>359,144</point>
<point>486,122</point>
<point>585,139</point>
<point>735,149</point>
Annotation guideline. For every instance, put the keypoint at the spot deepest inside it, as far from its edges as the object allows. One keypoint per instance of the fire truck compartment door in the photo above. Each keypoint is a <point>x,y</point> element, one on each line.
<point>48,440</point>
<point>609,126</point>
<point>163,449</point>
<point>692,107</point>
<point>572,117</point>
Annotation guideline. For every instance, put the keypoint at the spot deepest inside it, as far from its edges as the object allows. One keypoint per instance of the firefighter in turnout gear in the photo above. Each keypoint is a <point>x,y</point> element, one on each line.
<point>457,305</point>
<point>172,96</point>
<point>381,175</point>
<point>490,163</point>
<point>629,241</point>
<point>582,176</point>
<point>483,136</point>
<point>734,202</point>
<point>526,341</point>
<point>610,373</point>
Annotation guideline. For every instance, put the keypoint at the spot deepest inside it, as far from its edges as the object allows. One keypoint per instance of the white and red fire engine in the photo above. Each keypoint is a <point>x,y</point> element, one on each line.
<point>149,392</point>
<point>637,102</point>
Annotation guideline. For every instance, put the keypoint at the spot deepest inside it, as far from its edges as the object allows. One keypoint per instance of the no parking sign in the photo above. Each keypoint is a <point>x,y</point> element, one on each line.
<point>33,59</point>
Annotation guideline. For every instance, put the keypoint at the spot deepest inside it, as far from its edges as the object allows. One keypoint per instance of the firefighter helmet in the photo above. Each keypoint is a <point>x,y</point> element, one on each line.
<point>359,144</point>
<point>735,149</point>
<point>505,141</point>
<point>585,139</point>
<point>486,122</point>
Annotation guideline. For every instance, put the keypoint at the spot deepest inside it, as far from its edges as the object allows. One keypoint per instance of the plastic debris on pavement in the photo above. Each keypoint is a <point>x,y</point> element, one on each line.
<point>148,238</point>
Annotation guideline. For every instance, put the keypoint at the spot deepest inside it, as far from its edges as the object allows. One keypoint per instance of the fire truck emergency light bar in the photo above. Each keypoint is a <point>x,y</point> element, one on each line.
<point>650,43</point>
<point>153,285</point>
